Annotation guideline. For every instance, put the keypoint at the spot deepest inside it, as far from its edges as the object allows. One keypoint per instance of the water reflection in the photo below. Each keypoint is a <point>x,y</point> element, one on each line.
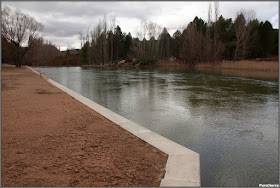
<point>232,122</point>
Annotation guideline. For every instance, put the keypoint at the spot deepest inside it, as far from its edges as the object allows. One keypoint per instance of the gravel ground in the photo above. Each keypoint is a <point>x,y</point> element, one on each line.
<point>51,139</point>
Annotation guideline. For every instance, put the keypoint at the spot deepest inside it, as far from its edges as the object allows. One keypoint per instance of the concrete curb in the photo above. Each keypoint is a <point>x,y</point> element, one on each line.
<point>183,164</point>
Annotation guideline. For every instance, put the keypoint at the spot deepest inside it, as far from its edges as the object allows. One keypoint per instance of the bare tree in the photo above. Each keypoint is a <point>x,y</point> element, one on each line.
<point>216,31</point>
<point>139,35</point>
<point>218,45</point>
<point>192,47</point>
<point>98,49</point>
<point>42,54</point>
<point>21,30</point>
<point>208,44</point>
<point>243,28</point>
<point>152,34</point>
<point>81,37</point>
<point>112,27</point>
<point>144,29</point>
<point>158,32</point>
<point>104,44</point>
<point>93,45</point>
<point>249,18</point>
<point>239,26</point>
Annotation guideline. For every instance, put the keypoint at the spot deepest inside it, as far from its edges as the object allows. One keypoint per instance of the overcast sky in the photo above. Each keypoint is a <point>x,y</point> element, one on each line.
<point>64,20</point>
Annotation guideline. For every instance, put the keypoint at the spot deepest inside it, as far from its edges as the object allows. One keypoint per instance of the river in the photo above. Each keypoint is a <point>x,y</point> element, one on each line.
<point>231,121</point>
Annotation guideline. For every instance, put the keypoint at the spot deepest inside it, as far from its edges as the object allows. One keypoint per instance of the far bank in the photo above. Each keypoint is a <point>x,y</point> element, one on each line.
<point>263,69</point>
<point>251,65</point>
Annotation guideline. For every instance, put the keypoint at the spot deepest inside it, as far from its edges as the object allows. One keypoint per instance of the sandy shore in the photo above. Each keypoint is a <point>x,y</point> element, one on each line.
<point>50,139</point>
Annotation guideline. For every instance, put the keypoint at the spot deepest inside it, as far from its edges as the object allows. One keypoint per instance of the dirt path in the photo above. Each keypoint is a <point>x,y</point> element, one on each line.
<point>50,139</point>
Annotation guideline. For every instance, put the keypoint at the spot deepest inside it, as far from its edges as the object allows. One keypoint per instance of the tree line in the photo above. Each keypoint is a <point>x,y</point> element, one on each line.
<point>213,40</point>
<point>201,41</point>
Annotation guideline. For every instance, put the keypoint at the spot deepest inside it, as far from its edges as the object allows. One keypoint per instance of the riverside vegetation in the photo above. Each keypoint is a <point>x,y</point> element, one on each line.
<point>216,43</point>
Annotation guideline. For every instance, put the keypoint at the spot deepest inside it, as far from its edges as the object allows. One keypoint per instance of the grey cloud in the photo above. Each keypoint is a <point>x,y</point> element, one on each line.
<point>64,20</point>
<point>264,10</point>
<point>90,9</point>
<point>62,29</point>
<point>63,42</point>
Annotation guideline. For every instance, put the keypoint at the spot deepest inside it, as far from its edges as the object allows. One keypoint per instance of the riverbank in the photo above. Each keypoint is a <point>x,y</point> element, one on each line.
<point>249,65</point>
<point>51,139</point>
<point>266,66</point>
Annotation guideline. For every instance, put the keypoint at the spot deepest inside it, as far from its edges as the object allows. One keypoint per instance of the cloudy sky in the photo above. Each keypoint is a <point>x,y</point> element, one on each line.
<point>64,20</point>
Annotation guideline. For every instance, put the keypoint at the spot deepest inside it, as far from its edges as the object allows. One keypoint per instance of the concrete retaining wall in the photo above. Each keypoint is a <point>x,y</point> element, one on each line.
<point>183,164</point>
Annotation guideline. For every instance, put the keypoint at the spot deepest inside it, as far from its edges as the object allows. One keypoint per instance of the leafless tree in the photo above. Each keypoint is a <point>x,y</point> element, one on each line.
<point>104,44</point>
<point>139,35</point>
<point>21,30</point>
<point>97,43</point>
<point>249,17</point>
<point>81,38</point>
<point>239,26</point>
<point>216,31</point>
<point>157,47</point>
<point>192,49</point>
<point>40,55</point>
<point>213,46</point>
<point>243,26</point>
<point>143,31</point>
<point>151,30</point>
<point>144,27</point>
<point>112,27</point>
<point>208,44</point>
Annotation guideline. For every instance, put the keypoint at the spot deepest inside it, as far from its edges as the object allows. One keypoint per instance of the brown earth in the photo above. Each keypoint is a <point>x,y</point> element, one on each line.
<point>249,65</point>
<point>51,139</point>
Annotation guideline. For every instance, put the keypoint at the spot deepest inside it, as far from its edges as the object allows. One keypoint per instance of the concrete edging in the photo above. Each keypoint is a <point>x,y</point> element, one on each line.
<point>183,164</point>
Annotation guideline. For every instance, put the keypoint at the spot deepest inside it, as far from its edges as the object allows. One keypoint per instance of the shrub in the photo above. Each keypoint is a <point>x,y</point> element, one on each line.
<point>146,61</point>
<point>64,61</point>
<point>128,60</point>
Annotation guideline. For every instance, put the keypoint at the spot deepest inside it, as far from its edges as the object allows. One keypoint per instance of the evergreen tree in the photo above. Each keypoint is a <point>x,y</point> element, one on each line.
<point>84,53</point>
<point>118,42</point>
<point>127,44</point>
<point>164,44</point>
<point>176,44</point>
<point>200,25</point>
<point>227,36</point>
<point>267,38</point>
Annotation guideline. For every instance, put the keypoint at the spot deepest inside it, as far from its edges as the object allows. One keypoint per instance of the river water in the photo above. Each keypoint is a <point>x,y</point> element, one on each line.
<point>232,122</point>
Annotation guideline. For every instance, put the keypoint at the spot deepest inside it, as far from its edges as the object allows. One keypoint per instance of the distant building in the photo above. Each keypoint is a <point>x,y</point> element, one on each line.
<point>62,52</point>
<point>71,51</point>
